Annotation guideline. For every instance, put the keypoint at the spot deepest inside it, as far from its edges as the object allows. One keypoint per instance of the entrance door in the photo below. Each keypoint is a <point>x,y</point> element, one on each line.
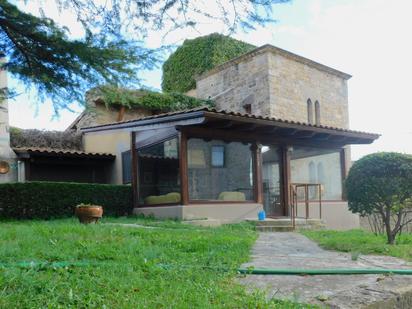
<point>272,181</point>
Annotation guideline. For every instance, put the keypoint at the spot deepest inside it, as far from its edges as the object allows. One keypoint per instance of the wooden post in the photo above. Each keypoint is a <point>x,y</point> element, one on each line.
<point>343,171</point>
<point>286,179</point>
<point>307,201</point>
<point>135,170</point>
<point>183,169</point>
<point>257,173</point>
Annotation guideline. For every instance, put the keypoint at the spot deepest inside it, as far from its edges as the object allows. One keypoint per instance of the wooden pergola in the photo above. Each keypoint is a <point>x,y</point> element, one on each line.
<point>210,124</point>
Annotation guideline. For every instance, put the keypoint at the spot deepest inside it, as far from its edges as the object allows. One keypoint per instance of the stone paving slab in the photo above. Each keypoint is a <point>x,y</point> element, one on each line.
<point>293,250</point>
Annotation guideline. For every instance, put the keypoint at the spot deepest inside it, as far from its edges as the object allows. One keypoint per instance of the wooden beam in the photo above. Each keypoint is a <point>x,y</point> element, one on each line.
<point>285,169</point>
<point>135,170</point>
<point>257,173</point>
<point>245,127</point>
<point>304,134</point>
<point>183,169</point>
<point>344,170</point>
<point>233,135</point>
<point>221,124</point>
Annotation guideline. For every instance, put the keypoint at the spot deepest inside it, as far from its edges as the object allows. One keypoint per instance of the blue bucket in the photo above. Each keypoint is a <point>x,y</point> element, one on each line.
<point>261,215</point>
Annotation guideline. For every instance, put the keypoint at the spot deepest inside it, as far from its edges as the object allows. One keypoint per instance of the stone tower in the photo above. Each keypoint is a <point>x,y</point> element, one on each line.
<point>8,161</point>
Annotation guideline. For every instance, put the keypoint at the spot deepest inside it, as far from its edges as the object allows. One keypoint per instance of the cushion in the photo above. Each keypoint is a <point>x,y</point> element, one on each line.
<point>169,198</point>
<point>232,196</point>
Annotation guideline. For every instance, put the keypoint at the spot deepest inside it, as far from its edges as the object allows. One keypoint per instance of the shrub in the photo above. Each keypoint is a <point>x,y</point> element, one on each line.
<point>47,200</point>
<point>197,56</point>
<point>381,184</point>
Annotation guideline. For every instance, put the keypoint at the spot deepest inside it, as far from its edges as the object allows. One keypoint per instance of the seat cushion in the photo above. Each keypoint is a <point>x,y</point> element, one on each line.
<point>232,196</point>
<point>169,198</point>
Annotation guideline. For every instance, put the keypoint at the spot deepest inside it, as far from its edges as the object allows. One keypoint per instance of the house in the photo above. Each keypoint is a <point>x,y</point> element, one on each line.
<point>277,140</point>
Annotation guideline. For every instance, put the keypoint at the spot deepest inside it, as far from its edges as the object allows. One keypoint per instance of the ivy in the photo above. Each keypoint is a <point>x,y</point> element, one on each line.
<point>150,100</point>
<point>197,56</point>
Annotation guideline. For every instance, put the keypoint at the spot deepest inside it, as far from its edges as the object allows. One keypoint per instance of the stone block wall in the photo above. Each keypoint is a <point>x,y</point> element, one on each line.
<point>239,84</point>
<point>277,85</point>
<point>292,83</point>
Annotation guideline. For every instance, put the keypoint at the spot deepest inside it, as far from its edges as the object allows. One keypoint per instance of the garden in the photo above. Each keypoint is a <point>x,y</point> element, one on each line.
<point>63,264</point>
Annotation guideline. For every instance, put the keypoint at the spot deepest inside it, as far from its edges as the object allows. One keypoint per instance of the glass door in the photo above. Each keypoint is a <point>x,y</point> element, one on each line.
<point>272,181</point>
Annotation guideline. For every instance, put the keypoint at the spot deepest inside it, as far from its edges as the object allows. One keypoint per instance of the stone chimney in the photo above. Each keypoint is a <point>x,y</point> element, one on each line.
<point>8,161</point>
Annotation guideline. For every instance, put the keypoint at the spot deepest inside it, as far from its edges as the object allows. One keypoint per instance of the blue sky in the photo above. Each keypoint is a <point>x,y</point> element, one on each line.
<point>369,39</point>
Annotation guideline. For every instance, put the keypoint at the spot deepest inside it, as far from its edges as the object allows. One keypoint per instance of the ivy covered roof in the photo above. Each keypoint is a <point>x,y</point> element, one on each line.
<point>147,99</point>
<point>197,56</point>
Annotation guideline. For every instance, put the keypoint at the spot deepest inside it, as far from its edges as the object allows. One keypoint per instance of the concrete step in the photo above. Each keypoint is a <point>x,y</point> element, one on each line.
<point>269,228</point>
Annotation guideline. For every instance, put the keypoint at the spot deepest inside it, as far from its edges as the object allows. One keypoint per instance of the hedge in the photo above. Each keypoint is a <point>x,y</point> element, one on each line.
<point>197,56</point>
<point>48,200</point>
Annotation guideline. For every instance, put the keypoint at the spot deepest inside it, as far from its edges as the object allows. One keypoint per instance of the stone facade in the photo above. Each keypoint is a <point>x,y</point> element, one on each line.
<point>6,153</point>
<point>277,84</point>
<point>97,113</point>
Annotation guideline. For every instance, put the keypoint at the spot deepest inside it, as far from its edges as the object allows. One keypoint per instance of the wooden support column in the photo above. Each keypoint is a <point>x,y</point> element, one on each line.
<point>286,178</point>
<point>344,171</point>
<point>183,170</point>
<point>135,170</point>
<point>257,173</point>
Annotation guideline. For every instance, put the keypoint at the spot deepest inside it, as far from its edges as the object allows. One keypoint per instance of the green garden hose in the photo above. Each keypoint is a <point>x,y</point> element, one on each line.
<point>313,272</point>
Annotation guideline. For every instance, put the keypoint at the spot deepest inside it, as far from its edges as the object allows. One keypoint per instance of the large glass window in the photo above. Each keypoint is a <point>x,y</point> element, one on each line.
<point>159,181</point>
<point>219,171</point>
<point>317,166</point>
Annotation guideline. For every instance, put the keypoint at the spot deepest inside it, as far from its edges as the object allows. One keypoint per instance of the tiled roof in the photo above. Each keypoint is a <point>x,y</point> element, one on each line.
<point>236,114</point>
<point>62,152</point>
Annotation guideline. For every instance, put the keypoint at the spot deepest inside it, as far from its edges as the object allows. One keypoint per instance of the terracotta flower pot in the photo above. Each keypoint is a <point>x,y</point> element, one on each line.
<point>89,213</point>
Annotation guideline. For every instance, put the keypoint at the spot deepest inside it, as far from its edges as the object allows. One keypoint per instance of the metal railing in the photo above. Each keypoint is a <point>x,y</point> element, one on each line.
<point>294,200</point>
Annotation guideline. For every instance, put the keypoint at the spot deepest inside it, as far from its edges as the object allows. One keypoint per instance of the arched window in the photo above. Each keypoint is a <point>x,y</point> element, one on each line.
<point>310,111</point>
<point>317,112</point>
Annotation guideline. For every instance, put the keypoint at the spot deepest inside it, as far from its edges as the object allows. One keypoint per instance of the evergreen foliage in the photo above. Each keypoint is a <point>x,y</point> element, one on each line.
<point>197,56</point>
<point>381,183</point>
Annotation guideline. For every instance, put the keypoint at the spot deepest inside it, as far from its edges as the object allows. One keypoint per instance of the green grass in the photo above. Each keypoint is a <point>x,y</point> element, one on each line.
<point>173,267</point>
<point>359,241</point>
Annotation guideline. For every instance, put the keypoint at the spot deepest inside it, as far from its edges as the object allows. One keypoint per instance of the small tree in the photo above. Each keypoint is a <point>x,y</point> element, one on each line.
<point>381,183</point>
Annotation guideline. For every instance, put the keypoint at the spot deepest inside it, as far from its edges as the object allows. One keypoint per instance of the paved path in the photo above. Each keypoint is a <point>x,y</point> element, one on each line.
<point>293,250</point>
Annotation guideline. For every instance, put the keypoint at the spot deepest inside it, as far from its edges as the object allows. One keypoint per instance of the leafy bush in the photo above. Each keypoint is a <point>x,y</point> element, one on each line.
<point>381,184</point>
<point>150,100</point>
<point>47,139</point>
<point>46,200</point>
<point>197,56</point>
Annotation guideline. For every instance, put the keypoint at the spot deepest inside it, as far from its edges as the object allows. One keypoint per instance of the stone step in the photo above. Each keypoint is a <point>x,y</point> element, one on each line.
<point>268,228</point>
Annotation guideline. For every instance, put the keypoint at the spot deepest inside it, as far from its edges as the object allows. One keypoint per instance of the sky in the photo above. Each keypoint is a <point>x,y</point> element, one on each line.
<point>369,39</point>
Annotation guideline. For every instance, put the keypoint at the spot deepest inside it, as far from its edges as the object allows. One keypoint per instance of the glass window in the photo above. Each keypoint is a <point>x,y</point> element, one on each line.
<point>317,166</point>
<point>233,181</point>
<point>218,156</point>
<point>159,181</point>
<point>127,167</point>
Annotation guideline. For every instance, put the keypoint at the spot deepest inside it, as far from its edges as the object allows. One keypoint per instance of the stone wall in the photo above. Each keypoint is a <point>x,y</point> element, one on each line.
<point>97,113</point>
<point>292,83</point>
<point>239,84</point>
<point>279,86</point>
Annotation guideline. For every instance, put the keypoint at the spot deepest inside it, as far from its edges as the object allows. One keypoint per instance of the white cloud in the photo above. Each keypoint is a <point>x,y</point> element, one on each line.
<point>369,39</point>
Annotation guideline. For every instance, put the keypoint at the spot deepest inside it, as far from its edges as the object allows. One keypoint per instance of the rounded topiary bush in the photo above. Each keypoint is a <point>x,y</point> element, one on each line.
<point>381,183</point>
<point>197,56</point>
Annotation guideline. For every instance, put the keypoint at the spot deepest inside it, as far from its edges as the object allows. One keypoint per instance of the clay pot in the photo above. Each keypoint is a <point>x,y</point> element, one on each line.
<point>89,214</point>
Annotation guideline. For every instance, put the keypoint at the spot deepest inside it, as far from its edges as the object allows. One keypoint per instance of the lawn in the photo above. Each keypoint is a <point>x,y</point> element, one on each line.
<point>112,266</point>
<point>360,241</point>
